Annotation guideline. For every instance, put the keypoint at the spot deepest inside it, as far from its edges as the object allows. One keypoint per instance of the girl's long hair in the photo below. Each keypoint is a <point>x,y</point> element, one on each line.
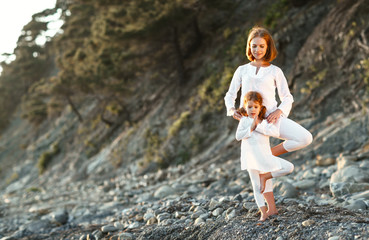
<point>256,97</point>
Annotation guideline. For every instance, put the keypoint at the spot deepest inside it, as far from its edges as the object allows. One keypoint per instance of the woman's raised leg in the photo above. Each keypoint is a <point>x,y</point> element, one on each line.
<point>295,136</point>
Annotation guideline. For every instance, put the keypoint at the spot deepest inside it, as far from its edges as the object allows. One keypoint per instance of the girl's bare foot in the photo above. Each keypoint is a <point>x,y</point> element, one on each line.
<point>263,217</point>
<point>263,214</point>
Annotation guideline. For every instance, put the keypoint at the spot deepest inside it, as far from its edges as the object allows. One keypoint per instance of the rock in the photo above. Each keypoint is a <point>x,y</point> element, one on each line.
<point>362,195</point>
<point>344,161</point>
<point>125,236</point>
<point>167,222</point>
<point>134,225</point>
<point>60,216</point>
<point>238,197</point>
<point>118,225</point>
<point>234,190</point>
<point>334,238</point>
<point>364,164</point>
<point>327,172</point>
<point>148,215</point>
<point>151,221</point>
<point>197,214</point>
<point>178,214</point>
<point>18,234</point>
<point>83,237</point>
<point>356,205</point>
<point>350,174</point>
<point>324,160</point>
<point>213,204</point>
<point>38,226</point>
<point>308,174</point>
<point>217,212</point>
<point>139,218</point>
<point>248,205</point>
<point>285,189</point>
<point>163,216</point>
<point>204,216</point>
<point>340,189</point>
<point>308,223</point>
<point>304,184</point>
<point>108,228</point>
<point>199,209</point>
<point>231,213</point>
<point>199,221</point>
<point>90,237</point>
<point>164,191</point>
<point>97,234</point>
<point>323,183</point>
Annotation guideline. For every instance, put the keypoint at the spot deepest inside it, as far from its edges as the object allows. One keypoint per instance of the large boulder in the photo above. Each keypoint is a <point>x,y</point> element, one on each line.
<point>351,173</point>
<point>164,191</point>
<point>340,189</point>
<point>285,189</point>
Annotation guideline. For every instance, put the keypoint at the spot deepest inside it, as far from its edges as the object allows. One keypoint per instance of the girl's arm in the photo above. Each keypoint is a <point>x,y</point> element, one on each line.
<point>269,129</point>
<point>231,95</point>
<point>244,128</point>
<point>283,93</point>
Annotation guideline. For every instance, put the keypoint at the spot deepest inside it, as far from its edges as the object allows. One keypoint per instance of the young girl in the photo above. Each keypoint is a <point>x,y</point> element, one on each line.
<point>262,76</point>
<point>256,155</point>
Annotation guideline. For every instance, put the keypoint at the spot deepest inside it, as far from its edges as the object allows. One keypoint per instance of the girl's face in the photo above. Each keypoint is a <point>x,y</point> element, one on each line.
<point>258,47</point>
<point>252,108</point>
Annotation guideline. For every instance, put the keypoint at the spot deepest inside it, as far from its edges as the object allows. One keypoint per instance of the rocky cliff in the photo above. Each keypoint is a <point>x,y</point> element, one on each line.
<point>163,162</point>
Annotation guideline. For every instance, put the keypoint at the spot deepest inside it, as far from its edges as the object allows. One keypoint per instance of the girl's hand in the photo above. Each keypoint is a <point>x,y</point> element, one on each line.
<point>274,116</point>
<point>255,123</point>
<point>237,115</point>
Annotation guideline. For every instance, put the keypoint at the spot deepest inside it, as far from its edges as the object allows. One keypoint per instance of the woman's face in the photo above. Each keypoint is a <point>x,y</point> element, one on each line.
<point>252,108</point>
<point>258,48</point>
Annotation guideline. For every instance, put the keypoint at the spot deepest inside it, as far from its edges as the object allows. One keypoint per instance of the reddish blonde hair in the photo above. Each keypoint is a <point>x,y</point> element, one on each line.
<point>256,97</point>
<point>271,52</point>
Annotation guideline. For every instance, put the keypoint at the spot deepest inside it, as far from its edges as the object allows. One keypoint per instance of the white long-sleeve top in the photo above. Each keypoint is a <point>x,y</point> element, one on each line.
<point>265,82</point>
<point>255,147</point>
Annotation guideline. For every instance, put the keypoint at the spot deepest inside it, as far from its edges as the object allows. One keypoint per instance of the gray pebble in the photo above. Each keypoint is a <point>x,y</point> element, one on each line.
<point>108,228</point>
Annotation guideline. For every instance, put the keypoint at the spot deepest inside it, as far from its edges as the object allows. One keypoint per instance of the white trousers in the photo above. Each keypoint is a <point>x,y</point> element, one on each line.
<point>287,168</point>
<point>295,136</point>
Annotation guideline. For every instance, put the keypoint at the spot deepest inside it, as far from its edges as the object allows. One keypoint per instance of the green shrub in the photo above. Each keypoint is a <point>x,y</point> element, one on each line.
<point>33,189</point>
<point>315,81</point>
<point>12,178</point>
<point>46,157</point>
<point>152,145</point>
<point>275,12</point>
<point>214,88</point>
<point>179,123</point>
<point>364,65</point>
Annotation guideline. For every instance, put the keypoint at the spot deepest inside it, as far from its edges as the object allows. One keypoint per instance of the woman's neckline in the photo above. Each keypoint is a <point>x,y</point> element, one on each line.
<point>259,67</point>
<point>263,66</point>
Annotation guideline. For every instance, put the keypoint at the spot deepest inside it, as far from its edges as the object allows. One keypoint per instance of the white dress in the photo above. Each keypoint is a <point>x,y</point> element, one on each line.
<point>266,81</point>
<point>255,147</point>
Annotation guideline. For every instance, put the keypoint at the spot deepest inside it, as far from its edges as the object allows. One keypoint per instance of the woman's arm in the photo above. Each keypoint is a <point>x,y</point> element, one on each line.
<point>284,93</point>
<point>231,95</point>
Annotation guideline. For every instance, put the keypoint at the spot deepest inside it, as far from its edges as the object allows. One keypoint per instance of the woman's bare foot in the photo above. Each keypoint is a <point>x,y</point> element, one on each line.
<point>263,178</point>
<point>270,213</point>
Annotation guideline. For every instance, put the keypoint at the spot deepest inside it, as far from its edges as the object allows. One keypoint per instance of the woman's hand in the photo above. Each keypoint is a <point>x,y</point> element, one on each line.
<point>237,115</point>
<point>274,116</point>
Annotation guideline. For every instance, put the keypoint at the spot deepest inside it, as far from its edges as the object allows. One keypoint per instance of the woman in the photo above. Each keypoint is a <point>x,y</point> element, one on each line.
<point>261,76</point>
